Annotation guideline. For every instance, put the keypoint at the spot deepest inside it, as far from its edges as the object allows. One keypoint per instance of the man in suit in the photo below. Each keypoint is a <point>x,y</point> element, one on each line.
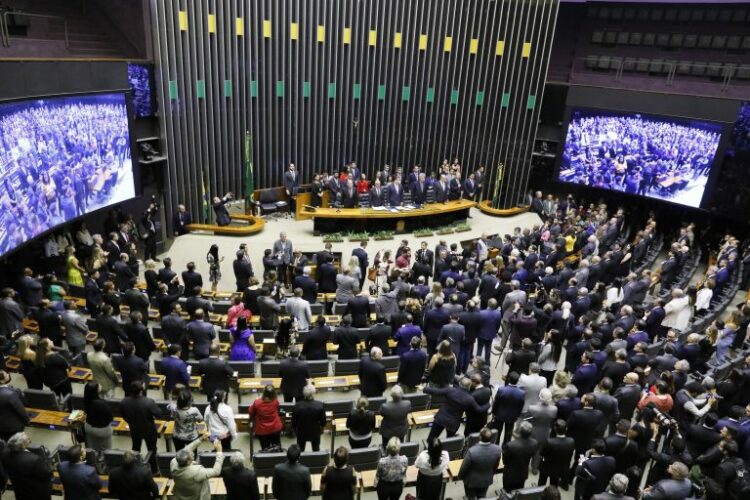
<point>191,279</point>
<point>537,205</point>
<point>364,261</point>
<point>556,455</point>
<point>517,455</point>
<point>326,276</point>
<point>628,395</point>
<point>395,194</point>
<point>181,220</point>
<point>196,301</point>
<point>123,272</point>
<point>174,329</point>
<point>308,285</point>
<point>454,333</point>
<point>291,479</point>
<point>479,466</point>
<point>358,308</point>
<point>136,300</point>
<point>441,190</point>
<point>202,334</point>
<point>299,310</point>
<point>28,472</point>
<point>282,251</point>
<point>175,369</point>
<point>594,471</point>
<point>75,328</point>
<point>379,335</point>
<point>112,249</point>
<point>490,320</point>
<point>471,320</point>
<point>102,370</point>
<point>291,187</point>
<point>582,424</point>
<point>372,374</point>
<point>308,419</point>
<point>140,412</point>
<point>346,338</point>
<point>79,479</point>
<point>132,481</point>
<point>419,190</point>
<point>216,372</point>
<point>519,359</point>
<point>31,289</point>
<point>678,485</point>
<point>131,367</point>
<point>315,346</point>
<point>241,483</point>
<point>457,401</point>
<point>616,489</point>
<point>349,195</point>
<point>508,405</point>
<point>109,330</point>
<point>345,286</point>
<point>377,195</point>
<point>294,375</point>
<point>13,416</point>
<point>621,447</point>
<point>434,321</point>
<point>412,366</point>
<point>243,271</point>
<point>190,478</point>
<point>167,276</point>
<point>93,293</point>
<point>395,415</point>
<point>469,187</point>
<point>482,395</point>
<point>423,261</point>
<point>268,309</point>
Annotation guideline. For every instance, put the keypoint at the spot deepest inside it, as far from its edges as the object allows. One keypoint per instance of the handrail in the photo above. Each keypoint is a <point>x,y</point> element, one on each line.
<point>6,32</point>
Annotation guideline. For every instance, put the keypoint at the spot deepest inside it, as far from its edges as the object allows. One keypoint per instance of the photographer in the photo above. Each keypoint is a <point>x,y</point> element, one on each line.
<point>147,230</point>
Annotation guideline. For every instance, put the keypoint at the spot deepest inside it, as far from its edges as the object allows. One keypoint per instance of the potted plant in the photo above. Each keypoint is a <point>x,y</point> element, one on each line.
<point>444,230</point>
<point>383,235</point>
<point>423,233</point>
<point>462,227</point>
<point>354,236</point>
<point>333,238</point>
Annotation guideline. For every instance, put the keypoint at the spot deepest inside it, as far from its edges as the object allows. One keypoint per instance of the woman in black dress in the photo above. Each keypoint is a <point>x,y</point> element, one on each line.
<point>340,481</point>
<point>316,192</point>
<point>54,369</point>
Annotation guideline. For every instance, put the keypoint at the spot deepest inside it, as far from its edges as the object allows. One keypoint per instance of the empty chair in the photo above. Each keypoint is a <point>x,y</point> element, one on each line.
<point>628,64</point>
<point>704,41</point>
<point>683,15</point>
<point>690,41</point>
<point>656,14</point>
<point>697,15</point>
<point>636,38</point>
<point>649,39</point>
<point>604,62</point>
<point>419,400</point>
<point>683,67</point>
<point>162,462</point>
<point>662,39</point>
<point>622,37</point>
<point>318,368</point>
<point>208,459</point>
<point>346,367</point>
<point>670,15</point>
<point>364,458</point>
<point>725,15</point>
<point>264,463</point>
<point>734,42</point>
<point>655,66</point>
<point>713,70</point>
<point>644,14</point>
<point>376,403</point>
<point>641,66</point>
<point>269,202</point>
<point>591,61</point>
<point>610,37</point>
<point>454,446</point>
<point>698,69</point>
<point>728,71</point>
<point>675,41</point>
<point>225,335</point>
<point>270,369</point>
<point>738,15</point>
<point>339,308</point>
<point>316,461</point>
<point>113,459</point>
<point>390,363</point>
<point>531,493</point>
<point>339,408</point>
<point>244,369</point>
<point>743,72</point>
<point>745,43</point>
<point>316,309</point>
<point>76,401</point>
<point>719,42</point>
<point>44,400</point>
<point>616,63</point>
<point>712,15</point>
<point>221,307</point>
<point>411,450</point>
<point>597,37</point>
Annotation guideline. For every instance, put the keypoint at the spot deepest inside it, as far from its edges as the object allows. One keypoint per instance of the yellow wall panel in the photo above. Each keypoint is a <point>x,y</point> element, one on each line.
<point>373,39</point>
<point>267,28</point>
<point>526,49</point>
<point>448,44</point>
<point>239,26</point>
<point>474,46</point>
<point>423,42</point>
<point>321,34</point>
<point>212,23</point>
<point>183,20</point>
<point>500,47</point>
<point>347,36</point>
<point>294,31</point>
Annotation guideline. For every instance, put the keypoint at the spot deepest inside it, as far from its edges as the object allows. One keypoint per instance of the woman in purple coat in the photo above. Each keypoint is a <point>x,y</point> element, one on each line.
<point>243,345</point>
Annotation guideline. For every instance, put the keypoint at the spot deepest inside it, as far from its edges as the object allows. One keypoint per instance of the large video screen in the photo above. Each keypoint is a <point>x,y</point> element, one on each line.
<point>741,130</point>
<point>61,158</point>
<point>140,77</point>
<point>660,157</point>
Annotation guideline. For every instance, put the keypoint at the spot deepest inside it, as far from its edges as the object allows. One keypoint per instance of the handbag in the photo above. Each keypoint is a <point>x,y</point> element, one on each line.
<point>372,273</point>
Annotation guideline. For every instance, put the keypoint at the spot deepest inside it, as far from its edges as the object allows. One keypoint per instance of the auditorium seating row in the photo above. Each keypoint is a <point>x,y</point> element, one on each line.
<point>661,66</point>
<point>684,14</point>
<point>653,253</point>
<point>686,273</point>
<point>672,40</point>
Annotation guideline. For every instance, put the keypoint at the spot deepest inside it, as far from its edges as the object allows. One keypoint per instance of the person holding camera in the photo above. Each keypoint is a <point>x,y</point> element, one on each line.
<point>147,230</point>
<point>191,479</point>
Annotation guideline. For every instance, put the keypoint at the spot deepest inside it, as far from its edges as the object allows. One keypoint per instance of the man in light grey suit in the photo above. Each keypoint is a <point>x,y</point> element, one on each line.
<point>11,314</point>
<point>616,490</point>
<point>387,302</point>
<point>395,414</point>
<point>299,309</point>
<point>532,383</point>
<point>516,295</point>
<point>75,328</point>
<point>480,465</point>
<point>282,252</point>
<point>102,369</point>
<point>345,285</point>
<point>543,415</point>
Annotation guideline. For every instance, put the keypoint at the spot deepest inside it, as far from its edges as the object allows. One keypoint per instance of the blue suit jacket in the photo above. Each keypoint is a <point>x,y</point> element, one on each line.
<point>585,378</point>
<point>80,481</point>
<point>412,367</point>
<point>403,337</point>
<point>508,403</point>
<point>434,319</point>
<point>174,371</point>
<point>395,198</point>
<point>491,319</point>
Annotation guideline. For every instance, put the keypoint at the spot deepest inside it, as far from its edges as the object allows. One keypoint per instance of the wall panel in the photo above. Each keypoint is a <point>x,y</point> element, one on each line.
<point>323,82</point>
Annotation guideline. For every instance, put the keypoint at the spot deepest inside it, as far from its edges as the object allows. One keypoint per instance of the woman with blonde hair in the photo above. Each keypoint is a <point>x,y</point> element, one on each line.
<point>152,279</point>
<point>354,268</point>
<point>435,292</point>
<point>28,368</point>
<point>54,368</point>
<point>561,385</point>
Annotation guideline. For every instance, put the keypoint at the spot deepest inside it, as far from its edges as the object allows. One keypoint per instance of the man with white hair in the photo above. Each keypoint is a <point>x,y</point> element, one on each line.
<point>542,415</point>
<point>532,384</point>
<point>616,490</point>
<point>29,473</point>
<point>299,310</point>
<point>677,486</point>
<point>372,377</point>
<point>677,311</point>
<point>240,482</point>
<point>582,273</point>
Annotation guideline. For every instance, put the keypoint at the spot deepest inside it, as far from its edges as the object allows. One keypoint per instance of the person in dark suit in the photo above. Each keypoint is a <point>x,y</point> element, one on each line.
<point>472,323</point>
<point>454,333</point>
<point>13,416</point>
<point>32,292</point>
<point>583,422</point>
<point>174,329</point>
<point>93,293</point>
<point>195,301</point>
<point>412,366</point>
<point>479,466</point>
<point>113,249</point>
<point>377,195</point>
<point>556,455</point>
<point>628,395</point>
<point>517,455</point>
<point>364,261</point>
<point>314,348</point>
<point>191,279</point>
<point>131,367</point>
<point>147,230</point>
<point>520,359</point>
<point>202,334</point>
<point>50,322</point>
<point>110,330</point>
<point>475,421</point>
<point>326,276</point>
<point>28,472</point>
<point>441,189</point>
<point>136,300</point>
<point>470,187</point>
<point>457,401</point>
<point>140,336</point>
<point>419,190</point>
<point>358,308</point>
<point>79,480</point>
<point>180,220</point>
<point>167,276</point>
<point>11,314</point>
<point>593,471</point>
<point>372,374</point>
<point>132,481</point>
<point>308,419</point>
<point>307,285</point>
<point>220,209</point>
<point>291,187</point>
<point>291,479</point>
<point>241,483</point>
<point>395,415</point>
<point>174,369</point>
<point>294,375</point>
<point>621,447</point>
<point>140,413</point>
<point>508,405</point>
<point>216,372</point>
<point>123,272</point>
<point>243,271</point>
<point>165,300</point>
<point>346,338</point>
<point>395,194</point>
<point>349,195</point>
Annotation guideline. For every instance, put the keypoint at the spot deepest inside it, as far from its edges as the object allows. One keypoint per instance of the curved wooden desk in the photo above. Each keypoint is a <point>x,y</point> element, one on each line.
<point>254,225</point>
<point>486,207</point>
<point>434,214</point>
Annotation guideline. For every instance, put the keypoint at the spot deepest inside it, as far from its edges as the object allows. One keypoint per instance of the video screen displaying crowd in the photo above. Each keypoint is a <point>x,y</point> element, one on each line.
<point>61,158</point>
<point>741,129</point>
<point>658,157</point>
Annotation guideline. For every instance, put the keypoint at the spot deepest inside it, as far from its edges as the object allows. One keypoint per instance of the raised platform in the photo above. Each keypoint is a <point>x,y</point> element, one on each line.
<point>327,220</point>
<point>486,207</point>
<point>253,225</point>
